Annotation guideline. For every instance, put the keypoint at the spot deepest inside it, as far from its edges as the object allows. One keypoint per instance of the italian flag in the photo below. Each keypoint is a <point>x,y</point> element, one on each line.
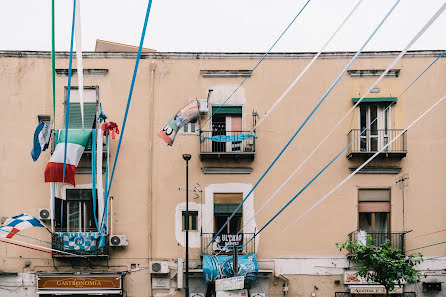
<point>77,141</point>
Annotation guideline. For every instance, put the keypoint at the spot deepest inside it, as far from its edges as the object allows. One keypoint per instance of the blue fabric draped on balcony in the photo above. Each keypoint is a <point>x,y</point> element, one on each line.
<point>229,138</point>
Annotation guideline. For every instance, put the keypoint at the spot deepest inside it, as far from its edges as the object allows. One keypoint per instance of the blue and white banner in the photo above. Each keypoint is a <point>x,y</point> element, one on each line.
<point>80,241</point>
<point>218,267</point>
<point>41,141</point>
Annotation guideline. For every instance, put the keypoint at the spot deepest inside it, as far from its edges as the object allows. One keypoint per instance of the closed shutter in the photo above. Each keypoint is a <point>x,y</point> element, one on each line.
<point>236,123</point>
<point>227,110</point>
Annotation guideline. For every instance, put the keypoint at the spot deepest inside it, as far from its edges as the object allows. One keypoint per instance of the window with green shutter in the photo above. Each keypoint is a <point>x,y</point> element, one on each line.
<point>90,109</point>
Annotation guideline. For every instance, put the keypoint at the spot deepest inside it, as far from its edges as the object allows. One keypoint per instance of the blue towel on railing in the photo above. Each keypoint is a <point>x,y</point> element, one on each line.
<point>229,138</point>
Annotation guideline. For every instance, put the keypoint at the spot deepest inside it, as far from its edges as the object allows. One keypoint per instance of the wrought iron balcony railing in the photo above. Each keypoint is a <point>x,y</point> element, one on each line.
<point>372,140</point>
<point>79,243</point>
<point>397,240</point>
<point>225,242</point>
<point>223,144</point>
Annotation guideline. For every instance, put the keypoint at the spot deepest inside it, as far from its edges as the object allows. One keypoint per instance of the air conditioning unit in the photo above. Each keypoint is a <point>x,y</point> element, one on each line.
<point>197,295</point>
<point>44,214</point>
<point>118,240</point>
<point>203,105</point>
<point>159,267</point>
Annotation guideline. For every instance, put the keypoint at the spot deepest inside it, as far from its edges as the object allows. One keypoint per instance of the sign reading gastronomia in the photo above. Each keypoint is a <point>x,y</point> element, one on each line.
<point>231,283</point>
<point>79,282</point>
<point>218,267</point>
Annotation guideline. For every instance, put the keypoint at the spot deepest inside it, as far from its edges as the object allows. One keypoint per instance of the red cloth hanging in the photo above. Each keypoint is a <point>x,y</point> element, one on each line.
<point>110,127</point>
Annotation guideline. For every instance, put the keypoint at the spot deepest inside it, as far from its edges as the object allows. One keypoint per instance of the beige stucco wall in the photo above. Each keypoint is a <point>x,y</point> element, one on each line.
<point>26,92</point>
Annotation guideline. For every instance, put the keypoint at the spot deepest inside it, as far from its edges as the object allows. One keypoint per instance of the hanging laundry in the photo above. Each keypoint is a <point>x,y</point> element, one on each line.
<point>42,137</point>
<point>18,223</point>
<point>229,138</point>
<point>101,117</point>
<point>77,141</point>
<point>110,127</point>
<point>184,116</point>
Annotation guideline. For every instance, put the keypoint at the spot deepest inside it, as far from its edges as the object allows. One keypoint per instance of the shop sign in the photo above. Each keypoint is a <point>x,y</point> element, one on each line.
<point>231,283</point>
<point>79,282</point>
<point>373,290</point>
<point>238,293</point>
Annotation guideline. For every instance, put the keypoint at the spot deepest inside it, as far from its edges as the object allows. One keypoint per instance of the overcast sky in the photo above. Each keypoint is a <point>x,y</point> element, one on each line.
<point>224,25</point>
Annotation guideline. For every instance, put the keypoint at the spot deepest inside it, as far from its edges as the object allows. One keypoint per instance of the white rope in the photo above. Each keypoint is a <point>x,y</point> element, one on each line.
<point>409,45</point>
<point>363,164</point>
<point>80,67</point>
<point>40,247</point>
<point>307,67</point>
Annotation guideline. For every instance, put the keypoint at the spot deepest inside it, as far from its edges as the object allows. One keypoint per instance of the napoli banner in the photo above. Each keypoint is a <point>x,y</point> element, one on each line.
<point>184,116</point>
<point>218,267</point>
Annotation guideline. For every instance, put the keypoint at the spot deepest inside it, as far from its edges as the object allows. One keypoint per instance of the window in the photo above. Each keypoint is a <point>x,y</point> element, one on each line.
<point>43,118</point>
<point>91,95</point>
<point>227,120</point>
<point>224,205</point>
<point>376,118</point>
<point>77,214</point>
<point>193,216</point>
<point>192,127</point>
<point>374,210</point>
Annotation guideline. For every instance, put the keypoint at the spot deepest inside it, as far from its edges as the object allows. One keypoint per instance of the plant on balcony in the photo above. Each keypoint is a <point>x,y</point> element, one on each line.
<point>382,264</point>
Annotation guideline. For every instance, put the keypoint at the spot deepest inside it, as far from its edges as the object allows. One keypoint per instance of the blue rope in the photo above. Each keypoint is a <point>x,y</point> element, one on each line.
<point>67,111</point>
<point>343,150</point>
<point>130,93</point>
<point>306,120</point>
<point>104,215</point>
<point>93,175</point>
<point>258,63</point>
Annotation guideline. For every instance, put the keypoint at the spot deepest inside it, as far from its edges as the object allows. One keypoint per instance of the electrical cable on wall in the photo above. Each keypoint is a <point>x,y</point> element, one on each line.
<point>307,118</point>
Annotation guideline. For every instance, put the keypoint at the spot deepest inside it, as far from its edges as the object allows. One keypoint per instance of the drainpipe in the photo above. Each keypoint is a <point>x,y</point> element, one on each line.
<point>150,127</point>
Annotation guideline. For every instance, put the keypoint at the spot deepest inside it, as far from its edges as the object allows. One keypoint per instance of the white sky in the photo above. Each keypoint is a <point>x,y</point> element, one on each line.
<point>223,25</point>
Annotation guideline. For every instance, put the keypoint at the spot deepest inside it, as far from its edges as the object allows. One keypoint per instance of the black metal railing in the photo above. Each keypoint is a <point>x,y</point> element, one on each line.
<point>78,248</point>
<point>225,243</point>
<point>223,141</point>
<point>397,240</point>
<point>373,140</point>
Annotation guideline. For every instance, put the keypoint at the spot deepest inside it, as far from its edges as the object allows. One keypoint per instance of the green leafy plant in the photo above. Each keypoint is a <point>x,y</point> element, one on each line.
<point>382,264</point>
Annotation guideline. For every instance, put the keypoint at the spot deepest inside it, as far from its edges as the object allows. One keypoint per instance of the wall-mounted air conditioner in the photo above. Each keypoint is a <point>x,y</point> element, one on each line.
<point>118,240</point>
<point>203,105</point>
<point>159,267</point>
<point>44,214</point>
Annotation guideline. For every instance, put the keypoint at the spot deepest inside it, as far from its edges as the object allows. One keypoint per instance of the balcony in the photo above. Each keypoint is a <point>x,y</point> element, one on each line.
<point>397,240</point>
<point>79,243</point>
<point>371,141</point>
<point>225,243</point>
<point>228,145</point>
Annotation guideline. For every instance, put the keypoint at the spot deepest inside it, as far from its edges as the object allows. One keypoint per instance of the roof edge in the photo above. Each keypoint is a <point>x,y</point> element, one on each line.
<point>219,55</point>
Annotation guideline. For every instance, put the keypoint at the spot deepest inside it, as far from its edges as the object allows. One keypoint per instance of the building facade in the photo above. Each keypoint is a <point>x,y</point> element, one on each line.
<point>398,196</point>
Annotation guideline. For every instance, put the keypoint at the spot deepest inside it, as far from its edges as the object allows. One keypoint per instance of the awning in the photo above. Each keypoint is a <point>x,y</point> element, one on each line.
<point>376,100</point>
<point>227,109</point>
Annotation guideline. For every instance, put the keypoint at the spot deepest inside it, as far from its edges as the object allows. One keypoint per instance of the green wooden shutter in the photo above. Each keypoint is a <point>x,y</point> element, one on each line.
<point>75,120</point>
